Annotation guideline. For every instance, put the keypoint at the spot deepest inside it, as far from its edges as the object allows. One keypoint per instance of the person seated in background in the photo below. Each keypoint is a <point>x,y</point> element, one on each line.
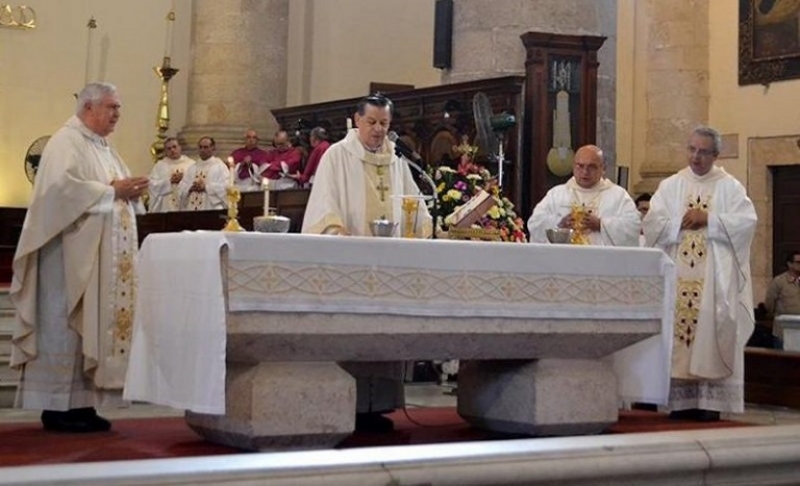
<point>281,161</point>
<point>600,211</point>
<point>783,292</point>
<point>204,185</point>
<point>165,177</point>
<point>249,162</point>
<point>318,138</point>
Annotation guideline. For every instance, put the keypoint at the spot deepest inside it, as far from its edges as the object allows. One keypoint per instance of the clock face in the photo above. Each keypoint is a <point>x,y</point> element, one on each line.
<point>559,161</point>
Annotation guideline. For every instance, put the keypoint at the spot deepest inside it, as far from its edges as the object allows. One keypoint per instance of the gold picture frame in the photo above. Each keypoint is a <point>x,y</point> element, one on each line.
<point>769,41</point>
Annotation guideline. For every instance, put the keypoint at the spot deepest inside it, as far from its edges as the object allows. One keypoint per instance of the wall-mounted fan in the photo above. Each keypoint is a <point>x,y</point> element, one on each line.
<point>34,156</point>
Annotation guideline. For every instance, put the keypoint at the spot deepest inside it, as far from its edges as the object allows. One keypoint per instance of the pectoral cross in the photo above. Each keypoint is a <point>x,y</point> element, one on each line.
<point>382,188</point>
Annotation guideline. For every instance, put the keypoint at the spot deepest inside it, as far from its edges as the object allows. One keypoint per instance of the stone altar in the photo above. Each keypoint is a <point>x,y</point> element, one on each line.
<point>263,319</point>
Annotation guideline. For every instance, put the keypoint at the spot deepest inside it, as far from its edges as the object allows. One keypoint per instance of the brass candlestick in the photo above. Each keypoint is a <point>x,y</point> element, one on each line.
<point>165,73</point>
<point>234,195</point>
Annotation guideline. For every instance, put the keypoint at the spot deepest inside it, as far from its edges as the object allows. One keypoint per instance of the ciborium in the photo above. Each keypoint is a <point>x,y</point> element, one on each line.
<point>579,230</point>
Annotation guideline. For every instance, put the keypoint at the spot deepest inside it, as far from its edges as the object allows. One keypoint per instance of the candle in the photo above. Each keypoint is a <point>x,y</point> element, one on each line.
<point>349,123</point>
<point>230,176</point>
<point>168,35</point>
<point>265,185</point>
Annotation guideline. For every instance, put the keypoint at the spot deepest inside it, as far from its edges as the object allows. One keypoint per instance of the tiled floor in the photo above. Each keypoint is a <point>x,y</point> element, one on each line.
<point>417,395</point>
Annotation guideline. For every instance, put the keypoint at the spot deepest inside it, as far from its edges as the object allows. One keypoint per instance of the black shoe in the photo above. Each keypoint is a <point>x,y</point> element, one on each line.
<point>707,416</point>
<point>688,414</point>
<point>79,420</point>
<point>373,422</point>
<point>650,407</point>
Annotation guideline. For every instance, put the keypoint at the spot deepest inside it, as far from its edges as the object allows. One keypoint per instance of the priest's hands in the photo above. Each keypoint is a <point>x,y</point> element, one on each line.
<point>591,222</point>
<point>176,177</point>
<point>694,219</point>
<point>130,187</point>
<point>588,221</point>
<point>199,185</point>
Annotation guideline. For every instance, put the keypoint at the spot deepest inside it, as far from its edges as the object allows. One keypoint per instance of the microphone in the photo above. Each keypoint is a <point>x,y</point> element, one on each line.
<point>403,148</point>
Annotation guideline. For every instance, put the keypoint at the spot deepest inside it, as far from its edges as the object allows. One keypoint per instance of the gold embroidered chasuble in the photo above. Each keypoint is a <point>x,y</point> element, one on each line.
<point>74,207</point>
<point>714,301</point>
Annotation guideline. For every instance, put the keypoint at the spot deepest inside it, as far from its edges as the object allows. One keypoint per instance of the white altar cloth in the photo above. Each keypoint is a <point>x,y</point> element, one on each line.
<point>181,282</point>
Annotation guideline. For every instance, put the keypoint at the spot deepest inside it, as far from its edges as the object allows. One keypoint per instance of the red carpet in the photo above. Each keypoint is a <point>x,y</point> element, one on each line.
<point>28,443</point>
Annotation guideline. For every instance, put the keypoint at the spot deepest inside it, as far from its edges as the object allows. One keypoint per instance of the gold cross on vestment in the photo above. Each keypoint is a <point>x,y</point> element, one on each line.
<point>382,188</point>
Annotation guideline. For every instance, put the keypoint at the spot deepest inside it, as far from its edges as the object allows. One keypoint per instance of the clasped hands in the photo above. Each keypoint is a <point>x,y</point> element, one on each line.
<point>587,221</point>
<point>694,219</point>
<point>130,188</point>
<point>199,185</point>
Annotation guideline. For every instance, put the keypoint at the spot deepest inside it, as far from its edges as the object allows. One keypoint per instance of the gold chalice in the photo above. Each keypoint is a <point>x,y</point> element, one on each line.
<point>233,195</point>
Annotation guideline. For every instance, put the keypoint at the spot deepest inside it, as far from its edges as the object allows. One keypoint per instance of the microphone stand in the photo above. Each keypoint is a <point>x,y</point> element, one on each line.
<point>429,180</point>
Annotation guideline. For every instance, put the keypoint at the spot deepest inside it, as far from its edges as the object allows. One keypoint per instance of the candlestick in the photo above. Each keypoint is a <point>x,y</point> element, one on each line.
<point>165,72</point>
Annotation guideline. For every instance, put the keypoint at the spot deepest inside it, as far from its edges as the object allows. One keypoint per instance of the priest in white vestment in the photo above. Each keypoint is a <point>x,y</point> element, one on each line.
<point>165,177</point>
<point>355,184</point>
<point>608,217</point>
<point>204,185</point>
<point>606,213</point>
<point>74,280</point>
<point>704,220</point>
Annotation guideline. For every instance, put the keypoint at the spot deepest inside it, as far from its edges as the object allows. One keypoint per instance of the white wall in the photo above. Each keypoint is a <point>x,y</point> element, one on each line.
<point>337,47</point>
<point>40,70</point>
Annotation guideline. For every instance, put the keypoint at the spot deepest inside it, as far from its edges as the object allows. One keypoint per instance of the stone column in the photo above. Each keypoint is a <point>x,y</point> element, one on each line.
<point>676,79</point>
<point>486,44</point>
<point>237,72</point>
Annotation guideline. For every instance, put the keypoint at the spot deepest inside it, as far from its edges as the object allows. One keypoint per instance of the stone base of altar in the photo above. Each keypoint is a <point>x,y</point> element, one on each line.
<point>538,397</point>
<point>282,406</point>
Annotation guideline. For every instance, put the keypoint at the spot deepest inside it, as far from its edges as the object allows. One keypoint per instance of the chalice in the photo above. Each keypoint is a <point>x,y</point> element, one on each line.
<point>234,195</point>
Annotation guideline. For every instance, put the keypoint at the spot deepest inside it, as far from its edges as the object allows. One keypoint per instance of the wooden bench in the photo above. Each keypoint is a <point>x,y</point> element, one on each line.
<point>772,377</point>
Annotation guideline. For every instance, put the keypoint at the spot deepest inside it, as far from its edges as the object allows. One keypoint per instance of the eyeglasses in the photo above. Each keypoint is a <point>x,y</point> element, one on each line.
<point>701,152</point>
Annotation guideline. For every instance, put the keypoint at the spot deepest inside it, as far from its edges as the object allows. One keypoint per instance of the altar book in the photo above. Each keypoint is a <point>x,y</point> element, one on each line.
<point>464,216</point>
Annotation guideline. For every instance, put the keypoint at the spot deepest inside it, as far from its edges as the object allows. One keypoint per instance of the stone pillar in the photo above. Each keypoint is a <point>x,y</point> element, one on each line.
<point>676,79</point>
<point>486,44</point>
<point>237,72</point>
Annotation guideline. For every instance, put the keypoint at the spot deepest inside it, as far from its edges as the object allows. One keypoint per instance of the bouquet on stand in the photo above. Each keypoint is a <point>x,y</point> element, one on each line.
<point>455,188</point>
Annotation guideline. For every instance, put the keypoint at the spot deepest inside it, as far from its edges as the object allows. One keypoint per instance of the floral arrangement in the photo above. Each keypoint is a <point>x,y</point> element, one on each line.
<point>454,187</point>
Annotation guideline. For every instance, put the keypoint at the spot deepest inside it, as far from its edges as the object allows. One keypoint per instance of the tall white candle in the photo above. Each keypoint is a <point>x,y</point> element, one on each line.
<point>266,198</point>
<point>168,35</point>
<point>349,122</point>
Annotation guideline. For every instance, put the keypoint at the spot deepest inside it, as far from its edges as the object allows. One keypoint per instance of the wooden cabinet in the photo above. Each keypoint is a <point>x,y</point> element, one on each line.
<point>560,107</point>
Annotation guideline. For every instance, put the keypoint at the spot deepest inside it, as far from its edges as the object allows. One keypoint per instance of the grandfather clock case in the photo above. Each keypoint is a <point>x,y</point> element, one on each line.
<point>560,107</point>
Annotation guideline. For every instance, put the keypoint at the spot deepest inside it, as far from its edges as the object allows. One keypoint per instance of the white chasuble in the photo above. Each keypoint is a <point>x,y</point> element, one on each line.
<point>619,220</point>
<point>215,176</point>
<point>352,187</point>
<point>714,301</point>
<point>74,276</point>
<point>164,195</point>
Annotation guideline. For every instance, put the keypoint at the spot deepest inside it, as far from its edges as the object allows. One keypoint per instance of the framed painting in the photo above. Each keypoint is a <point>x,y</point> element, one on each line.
<point>769,41</point>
